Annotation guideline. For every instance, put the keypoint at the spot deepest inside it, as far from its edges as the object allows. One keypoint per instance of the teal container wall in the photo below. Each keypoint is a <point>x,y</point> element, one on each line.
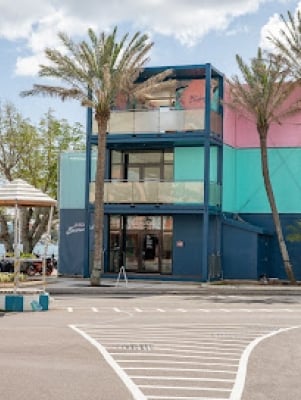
<point>72,180</point>
<point>189,163</point>
<point>242,169</point>
<point>229,179</point>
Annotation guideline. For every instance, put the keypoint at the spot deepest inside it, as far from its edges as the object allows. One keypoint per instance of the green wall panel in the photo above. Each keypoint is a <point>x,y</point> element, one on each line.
<point>72,180</point>
<point>229,179</point>
<point>189,163</point>
<point>285,172</point>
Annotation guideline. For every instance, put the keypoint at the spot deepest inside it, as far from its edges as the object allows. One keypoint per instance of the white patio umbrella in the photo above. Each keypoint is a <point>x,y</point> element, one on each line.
<point>16,194</point>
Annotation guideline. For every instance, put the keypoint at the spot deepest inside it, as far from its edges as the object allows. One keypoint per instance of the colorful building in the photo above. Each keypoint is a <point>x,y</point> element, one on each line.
<point>184,196</point>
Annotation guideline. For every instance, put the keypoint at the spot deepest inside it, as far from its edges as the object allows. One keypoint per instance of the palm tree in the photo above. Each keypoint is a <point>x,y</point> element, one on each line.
<point>263,96</point>
<point>288,42</point>
<point>94,73</point>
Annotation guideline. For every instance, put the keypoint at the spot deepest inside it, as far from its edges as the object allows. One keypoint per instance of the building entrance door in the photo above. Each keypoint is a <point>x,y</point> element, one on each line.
<point>142,252</point>
<point>142,244</point>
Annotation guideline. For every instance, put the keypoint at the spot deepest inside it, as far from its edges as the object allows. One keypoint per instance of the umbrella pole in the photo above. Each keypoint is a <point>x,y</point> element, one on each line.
<point>46,247</point>
<point>16,249</point>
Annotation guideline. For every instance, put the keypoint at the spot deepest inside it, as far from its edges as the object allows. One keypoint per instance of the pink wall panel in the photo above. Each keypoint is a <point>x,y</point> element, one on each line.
<point>241,132</point>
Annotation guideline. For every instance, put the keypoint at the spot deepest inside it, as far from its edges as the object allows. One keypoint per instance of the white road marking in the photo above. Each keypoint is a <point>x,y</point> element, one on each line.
<point>242,369</point>
<point>219,371</point>
<point>150,354</point>
<point>230,346</point>
<point>136,392</point>
<point>177,362</point>
<point>183,398</point>
<point>200,388</point>
<point>178,378</point>
<point>177,310</point>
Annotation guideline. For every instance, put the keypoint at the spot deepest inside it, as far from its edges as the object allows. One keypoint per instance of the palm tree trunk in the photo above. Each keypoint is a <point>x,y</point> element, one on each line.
<point>97,268</point>
<point>269,190</point>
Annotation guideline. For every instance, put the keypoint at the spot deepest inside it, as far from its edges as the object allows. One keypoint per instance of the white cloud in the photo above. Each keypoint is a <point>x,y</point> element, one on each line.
<point>37,22</point>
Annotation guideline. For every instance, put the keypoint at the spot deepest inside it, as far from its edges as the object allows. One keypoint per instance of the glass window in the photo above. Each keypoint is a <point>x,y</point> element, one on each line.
<point>116,157</point>
<point>145,157</point>
<point>116,172</point>
<point>168,172</point>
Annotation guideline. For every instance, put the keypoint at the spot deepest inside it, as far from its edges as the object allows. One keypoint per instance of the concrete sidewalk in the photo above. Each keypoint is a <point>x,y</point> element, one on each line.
<point>109,286</point>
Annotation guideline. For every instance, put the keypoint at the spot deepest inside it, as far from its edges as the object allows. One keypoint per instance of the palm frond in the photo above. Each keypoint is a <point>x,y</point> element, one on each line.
<point>264,90</point>
<point>54,91</point>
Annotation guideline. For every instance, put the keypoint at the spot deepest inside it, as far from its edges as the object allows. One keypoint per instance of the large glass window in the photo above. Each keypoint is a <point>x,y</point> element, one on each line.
<point>142,165</point>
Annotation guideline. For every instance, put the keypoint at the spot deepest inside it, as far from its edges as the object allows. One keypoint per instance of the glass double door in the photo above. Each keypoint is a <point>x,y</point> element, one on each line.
<point>141,244</point>
<point>142,251</point>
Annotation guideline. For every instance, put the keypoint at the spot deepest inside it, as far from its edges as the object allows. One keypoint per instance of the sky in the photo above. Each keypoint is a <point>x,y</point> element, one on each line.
<point>184,32</point>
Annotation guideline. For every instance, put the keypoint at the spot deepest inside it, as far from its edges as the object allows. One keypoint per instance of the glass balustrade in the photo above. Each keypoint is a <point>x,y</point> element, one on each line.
<point>162,120</point>
<point>155,192</point>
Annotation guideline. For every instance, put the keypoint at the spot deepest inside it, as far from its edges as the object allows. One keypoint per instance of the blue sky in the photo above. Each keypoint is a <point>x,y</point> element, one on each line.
<point>184,32</point>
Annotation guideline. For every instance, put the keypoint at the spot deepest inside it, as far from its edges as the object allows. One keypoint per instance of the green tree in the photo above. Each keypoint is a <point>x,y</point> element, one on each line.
<point>107,67</point>
<point>52,136</point>
<point>262,94</point>
<point>31,153</point>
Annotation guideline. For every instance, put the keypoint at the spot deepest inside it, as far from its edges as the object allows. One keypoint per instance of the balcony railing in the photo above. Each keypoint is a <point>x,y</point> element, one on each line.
<point>156,192</point>
<point>163,120</point>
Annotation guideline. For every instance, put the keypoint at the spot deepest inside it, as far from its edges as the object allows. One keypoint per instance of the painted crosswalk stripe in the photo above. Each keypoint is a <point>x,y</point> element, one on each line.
<point>215,371</point>
<point>200,388</point>
<point>180,378</point>
<point>198,363</point>
<point>183,398</point>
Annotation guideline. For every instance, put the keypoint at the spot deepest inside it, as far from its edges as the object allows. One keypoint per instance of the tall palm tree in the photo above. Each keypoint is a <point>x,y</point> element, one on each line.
<point>262,94</point>
<point>107,67</point>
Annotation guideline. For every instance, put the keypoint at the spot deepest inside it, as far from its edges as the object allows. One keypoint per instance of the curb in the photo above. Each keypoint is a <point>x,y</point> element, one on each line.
<point>111,291</point>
